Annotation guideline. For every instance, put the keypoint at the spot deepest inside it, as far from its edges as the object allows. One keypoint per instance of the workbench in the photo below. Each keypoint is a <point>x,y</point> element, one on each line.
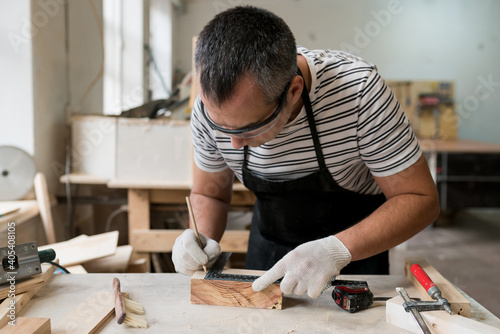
<point>166,299</point>
<point>467,174</point>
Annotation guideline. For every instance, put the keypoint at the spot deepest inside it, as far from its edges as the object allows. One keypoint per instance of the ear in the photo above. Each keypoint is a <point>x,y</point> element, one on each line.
<point>296,87</point>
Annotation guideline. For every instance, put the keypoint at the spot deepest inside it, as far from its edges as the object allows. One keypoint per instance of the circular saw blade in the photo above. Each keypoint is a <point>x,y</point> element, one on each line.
<point>17,171</point>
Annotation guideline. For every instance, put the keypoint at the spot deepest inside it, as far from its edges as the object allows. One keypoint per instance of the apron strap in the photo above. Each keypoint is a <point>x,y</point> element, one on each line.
<point>312,125</point>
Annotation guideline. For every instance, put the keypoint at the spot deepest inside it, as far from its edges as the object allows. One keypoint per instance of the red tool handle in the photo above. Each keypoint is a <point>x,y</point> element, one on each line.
<point>422,276</point>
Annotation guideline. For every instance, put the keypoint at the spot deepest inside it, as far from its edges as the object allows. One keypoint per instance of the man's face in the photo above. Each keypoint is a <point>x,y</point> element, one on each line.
<point>245,109</point>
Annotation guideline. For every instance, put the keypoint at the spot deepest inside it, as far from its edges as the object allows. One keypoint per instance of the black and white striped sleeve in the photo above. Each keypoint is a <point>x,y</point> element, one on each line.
<point>386,140</point>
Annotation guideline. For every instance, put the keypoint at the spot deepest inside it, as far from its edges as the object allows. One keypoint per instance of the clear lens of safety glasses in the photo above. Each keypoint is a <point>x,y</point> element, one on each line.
<point>254,130</point>
<point>257,132</point>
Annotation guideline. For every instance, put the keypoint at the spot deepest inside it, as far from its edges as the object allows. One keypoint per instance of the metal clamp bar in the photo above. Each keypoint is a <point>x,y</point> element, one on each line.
<point>417,316</point>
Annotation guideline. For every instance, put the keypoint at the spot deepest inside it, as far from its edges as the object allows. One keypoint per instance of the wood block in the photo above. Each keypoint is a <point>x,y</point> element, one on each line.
<point>231,293</point>
<point>89,316</point>
<point>25,325</point>
<point>83,249</point>
<point>22,286</point>
<point>459,304</point>
<point>78,269</point>
<point>437,321</point>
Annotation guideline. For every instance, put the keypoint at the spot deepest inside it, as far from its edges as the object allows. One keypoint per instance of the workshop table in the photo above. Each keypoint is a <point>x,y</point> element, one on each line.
<point>166,299</point>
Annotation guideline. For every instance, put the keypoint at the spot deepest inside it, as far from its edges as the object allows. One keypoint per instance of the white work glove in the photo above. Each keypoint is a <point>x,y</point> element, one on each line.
<point>187,255</point>
<point>308,268</point>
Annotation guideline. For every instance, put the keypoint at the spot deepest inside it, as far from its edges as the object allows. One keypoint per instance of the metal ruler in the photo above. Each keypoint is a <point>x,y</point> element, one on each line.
<point>215,273</point>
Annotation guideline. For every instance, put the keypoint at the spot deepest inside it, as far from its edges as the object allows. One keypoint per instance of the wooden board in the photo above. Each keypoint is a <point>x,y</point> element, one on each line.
<point>78,269</point>
<point>459,304</point>
<point>7,212</point>
<point>163,193</point>
<point>117,263</point>
<point>27,210</point>
<point>194,79</point>
<point>82,178</point>
<point>138,219</point>
<point>437,321</point>
<point>43,200</point>
<point>22,286</point>
<point>24,325</point>
<point>21,300</point>
<point>89,316</point>
<point>231,293</point>
<point>235,241</point>
<point>80,250</point>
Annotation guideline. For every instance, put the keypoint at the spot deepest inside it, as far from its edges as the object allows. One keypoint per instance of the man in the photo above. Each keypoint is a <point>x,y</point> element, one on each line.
<point>322,142</point>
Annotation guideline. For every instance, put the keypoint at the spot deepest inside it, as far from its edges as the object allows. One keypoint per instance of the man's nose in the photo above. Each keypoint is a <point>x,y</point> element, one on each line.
<point>239,142</point>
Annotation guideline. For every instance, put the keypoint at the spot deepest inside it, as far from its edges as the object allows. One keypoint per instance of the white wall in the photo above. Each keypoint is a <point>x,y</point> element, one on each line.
<point>408,40</point>
<point>16,97</point>
<point>85,57</point>
<point>50,66</point>
<point>49,90</point>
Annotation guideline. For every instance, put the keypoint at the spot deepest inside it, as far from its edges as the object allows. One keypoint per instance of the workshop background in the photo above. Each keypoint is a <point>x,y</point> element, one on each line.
<point>61,61</point>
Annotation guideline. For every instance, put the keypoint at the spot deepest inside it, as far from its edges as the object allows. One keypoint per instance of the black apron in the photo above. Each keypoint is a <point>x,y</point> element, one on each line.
<point>290,213</point>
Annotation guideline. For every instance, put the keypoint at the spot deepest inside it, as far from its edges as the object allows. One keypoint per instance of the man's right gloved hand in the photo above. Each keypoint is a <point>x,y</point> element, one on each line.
<point>187,254</point>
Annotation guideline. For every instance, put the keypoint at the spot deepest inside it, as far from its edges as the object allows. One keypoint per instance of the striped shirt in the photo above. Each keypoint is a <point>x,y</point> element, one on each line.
<point>361,126</point>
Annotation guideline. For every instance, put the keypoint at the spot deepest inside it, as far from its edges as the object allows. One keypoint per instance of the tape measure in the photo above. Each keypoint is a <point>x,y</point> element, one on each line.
<point>354,299</point>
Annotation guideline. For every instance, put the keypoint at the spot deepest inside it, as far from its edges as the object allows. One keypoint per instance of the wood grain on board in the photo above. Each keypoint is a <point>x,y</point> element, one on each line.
<point>24,325</point>
<point>234,293</point>
<point>89,316</point>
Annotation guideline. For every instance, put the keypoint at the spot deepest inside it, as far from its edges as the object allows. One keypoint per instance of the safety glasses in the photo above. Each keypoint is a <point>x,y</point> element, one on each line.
<point>251,131</point>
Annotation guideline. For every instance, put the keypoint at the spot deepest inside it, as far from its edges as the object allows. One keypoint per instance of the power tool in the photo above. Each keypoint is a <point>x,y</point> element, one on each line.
<point>22,261</point>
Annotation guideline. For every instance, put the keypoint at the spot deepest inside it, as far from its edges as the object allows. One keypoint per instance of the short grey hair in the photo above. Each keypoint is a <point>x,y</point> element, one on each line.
<point>245,40</point>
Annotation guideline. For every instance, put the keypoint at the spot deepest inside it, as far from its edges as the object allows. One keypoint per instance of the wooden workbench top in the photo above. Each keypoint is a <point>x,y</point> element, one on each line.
<point>458,146</point>
<point>165,298</point>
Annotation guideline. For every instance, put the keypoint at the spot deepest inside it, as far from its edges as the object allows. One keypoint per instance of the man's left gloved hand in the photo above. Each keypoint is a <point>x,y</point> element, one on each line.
<point>308,268</point>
